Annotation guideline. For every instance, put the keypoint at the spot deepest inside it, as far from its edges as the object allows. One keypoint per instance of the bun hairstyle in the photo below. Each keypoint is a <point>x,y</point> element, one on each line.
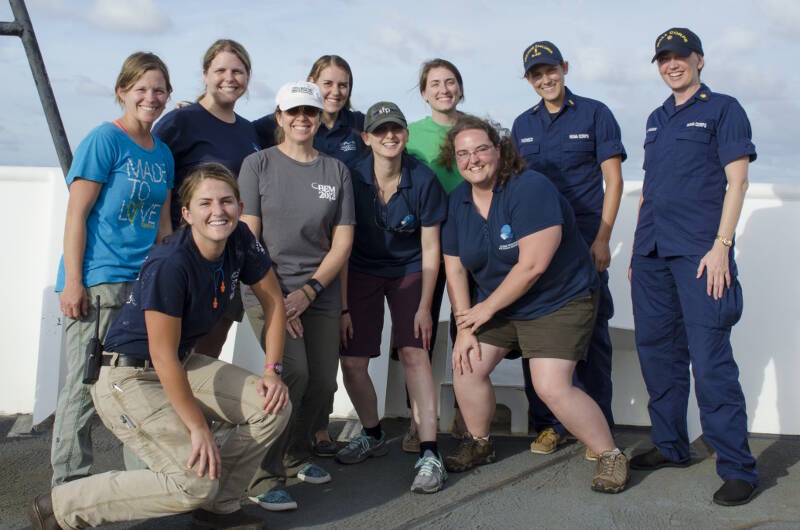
<point>511,163</point>
<point>134,67</point>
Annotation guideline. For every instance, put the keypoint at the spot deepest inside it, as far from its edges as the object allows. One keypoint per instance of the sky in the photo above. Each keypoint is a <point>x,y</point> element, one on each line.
<point>749,47</point>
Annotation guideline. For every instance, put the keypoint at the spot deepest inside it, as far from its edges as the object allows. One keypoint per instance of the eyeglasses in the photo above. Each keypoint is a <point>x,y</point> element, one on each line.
<point>407,225</point>
<point>311,112</point>
<point>480,152</point>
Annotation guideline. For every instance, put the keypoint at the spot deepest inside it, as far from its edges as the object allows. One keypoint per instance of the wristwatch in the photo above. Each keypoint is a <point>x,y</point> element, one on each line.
<point>724,240</point>
<point>314,284</point>
<point>275,367</point>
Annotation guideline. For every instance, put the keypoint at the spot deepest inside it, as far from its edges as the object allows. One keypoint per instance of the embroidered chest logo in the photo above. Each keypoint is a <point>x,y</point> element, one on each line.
<point>325,191</point>
<point>700,124</point>
<point>347,146</point>
<point>507,235</point>
<point>526,140</point>
<point>580,136</point>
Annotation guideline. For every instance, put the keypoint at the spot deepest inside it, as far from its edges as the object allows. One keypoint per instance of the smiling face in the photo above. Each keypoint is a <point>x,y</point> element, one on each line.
<point>144,101</point>
<point>478,160</point>
<point>680,73</point>
<point>298,124</point>
<point>334,83</point>
<point>548,81</point>
<point>442,91</point>
<point>213,213</point>
<point>226,79</point>
<point>387,140</point>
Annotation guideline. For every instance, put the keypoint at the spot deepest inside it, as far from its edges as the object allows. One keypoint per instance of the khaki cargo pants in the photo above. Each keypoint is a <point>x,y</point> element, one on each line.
<point>132,404</point>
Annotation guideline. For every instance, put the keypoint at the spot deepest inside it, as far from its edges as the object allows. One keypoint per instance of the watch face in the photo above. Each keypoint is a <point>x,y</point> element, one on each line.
<point>278,367</point>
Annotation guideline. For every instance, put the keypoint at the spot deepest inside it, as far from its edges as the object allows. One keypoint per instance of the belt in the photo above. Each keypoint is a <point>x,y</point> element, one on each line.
<point>126,361</point>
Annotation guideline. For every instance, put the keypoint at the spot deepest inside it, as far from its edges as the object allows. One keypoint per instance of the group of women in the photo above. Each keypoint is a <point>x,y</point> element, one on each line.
<point>339,215</point>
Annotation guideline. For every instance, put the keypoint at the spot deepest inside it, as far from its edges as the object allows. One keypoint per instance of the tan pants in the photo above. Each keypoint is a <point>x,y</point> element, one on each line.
<point>132,404</point>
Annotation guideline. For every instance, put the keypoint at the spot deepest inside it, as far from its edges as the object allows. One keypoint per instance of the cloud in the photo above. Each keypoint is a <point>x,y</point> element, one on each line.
<point>260,90</point>
<point>608,66</point>
<point>734,40</point>
<point>85,86</point>
<point>130,16</point>
<point>784,16</point>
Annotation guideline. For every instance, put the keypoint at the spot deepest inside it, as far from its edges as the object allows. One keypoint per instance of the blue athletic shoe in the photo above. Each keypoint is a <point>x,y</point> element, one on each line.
<point>275,501</point>
<point>313,474</point>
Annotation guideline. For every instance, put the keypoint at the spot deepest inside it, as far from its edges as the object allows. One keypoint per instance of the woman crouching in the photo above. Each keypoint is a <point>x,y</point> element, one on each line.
<point>157,398</point>
<point>537,293</point>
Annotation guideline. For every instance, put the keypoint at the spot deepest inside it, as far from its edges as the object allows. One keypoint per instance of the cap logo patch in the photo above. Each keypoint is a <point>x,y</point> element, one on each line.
<point>536,50</point>
<point>672,33</point>
<point>301,90</point>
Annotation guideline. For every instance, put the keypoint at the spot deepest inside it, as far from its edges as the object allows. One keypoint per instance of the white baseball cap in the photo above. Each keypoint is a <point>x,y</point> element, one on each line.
<point>298,93</point>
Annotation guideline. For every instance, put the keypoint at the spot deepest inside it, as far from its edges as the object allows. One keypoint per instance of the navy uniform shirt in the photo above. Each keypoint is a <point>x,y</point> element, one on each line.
<point>195,136</point>
<point>686,149</point>
<point>178,281</point>
<point>488,248</point>
<point>392,254</point>
<point>568,149</point>
<point>342,142</point>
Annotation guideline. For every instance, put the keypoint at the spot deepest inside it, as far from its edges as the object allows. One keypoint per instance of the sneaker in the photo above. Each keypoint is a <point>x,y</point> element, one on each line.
<point>238,520</point>
<point>547,442</point>
<point>325,448</point>
<point>313,474</point>
<point>590,455</point>
<point>431,475</point>
<point>40,513</point>
<point>734,492</point>
<point>611,473</point>
<point>362,447</point>
<point>471,452</point>
<point>275,501</point>
<point>652,460</point>
<point>411,441</point>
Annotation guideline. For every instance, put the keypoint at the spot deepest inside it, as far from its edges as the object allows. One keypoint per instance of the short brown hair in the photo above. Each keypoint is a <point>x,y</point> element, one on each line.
<point>134,67</point>
<point>427,66</point>
<point>511,163</point>
<point>210,170</point>
<point>226,45</point>
<point>332,60</point>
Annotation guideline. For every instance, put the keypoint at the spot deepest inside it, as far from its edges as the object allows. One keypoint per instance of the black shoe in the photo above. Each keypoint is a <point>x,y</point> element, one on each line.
<point>40,513</point>
<point>238,520</point>
<point>652,460</point>
<point>326,448</point>
<point>734,492</point>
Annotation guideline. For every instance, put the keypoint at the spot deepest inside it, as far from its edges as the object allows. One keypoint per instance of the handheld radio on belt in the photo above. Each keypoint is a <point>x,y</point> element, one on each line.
<point>94,352</point>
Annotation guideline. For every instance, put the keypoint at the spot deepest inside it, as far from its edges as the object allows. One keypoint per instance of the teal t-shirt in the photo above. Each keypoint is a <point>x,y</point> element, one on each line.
<point>123,223</point>
<point>425,138</point>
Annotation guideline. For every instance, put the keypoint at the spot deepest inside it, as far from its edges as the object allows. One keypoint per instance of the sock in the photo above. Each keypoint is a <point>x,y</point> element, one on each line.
<point>428,447</point>
<point>375,432</point>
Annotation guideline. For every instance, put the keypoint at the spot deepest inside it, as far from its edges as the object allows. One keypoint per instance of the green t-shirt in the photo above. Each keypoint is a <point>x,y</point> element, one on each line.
<point>425,138</point>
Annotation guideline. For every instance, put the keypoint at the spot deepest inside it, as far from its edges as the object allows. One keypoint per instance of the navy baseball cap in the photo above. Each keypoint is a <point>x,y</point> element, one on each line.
<point>682,41</point>
<point>541,52</point>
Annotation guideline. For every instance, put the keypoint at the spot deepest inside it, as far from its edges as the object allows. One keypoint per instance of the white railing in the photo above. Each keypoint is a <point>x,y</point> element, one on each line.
<point>766,341</point>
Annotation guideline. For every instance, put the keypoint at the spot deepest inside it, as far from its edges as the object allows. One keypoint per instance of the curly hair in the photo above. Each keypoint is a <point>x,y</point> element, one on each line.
<point>511,163</point>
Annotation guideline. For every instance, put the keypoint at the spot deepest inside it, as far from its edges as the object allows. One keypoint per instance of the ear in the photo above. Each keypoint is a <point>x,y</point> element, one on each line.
<point>186,214</point>
<point>241,208</point>
<point>310,79</point>
<point>565,66</point>
<point>364,138</point>
<point>700,62</point>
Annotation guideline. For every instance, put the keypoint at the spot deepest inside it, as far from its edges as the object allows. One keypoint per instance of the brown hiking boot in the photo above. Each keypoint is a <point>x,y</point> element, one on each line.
<point>611,472</point>
<point>40,513</point>
<point>547,442</point>
<point>471,452</point>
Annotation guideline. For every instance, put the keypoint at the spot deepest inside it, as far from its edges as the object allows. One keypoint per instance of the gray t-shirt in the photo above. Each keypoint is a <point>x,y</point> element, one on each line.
<point>299,205</point>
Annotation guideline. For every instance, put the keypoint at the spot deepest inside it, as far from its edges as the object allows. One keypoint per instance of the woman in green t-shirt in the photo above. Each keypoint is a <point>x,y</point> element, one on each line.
<point>441,87</point>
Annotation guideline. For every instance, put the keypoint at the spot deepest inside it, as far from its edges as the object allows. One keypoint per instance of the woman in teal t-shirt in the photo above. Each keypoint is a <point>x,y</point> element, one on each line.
<point>442,88</point>
<point>119,192</point>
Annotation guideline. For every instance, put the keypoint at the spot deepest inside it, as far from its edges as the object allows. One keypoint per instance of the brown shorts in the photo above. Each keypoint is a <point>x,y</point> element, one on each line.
<point>563,334</point>
<point>365,294</point>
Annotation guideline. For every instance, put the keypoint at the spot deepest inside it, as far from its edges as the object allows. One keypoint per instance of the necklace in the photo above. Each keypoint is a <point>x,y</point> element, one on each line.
<point>221,272</point>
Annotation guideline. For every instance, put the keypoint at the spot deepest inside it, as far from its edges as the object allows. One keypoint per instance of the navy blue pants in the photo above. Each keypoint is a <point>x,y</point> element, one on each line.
<point>677,323</point>
<point>593,375</point>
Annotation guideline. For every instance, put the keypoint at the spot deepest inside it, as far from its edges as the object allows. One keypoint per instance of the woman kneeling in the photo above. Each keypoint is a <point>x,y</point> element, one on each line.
<point>536,293</point>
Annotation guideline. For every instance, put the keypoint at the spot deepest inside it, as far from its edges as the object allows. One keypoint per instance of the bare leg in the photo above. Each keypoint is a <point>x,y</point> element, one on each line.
<point>474,390</point>
<point>359,387</point>
<point>552,380</point>
<point>421,390</point>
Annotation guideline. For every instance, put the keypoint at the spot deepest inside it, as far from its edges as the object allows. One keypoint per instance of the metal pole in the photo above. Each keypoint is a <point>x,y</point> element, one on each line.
<point>23,28</point>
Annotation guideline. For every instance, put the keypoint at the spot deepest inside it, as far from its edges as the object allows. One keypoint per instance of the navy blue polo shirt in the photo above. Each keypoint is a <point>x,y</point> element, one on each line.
<point>178,281</point>
<point>488,248</point>
<point>568,148</point>
<point>686,149</point>
<point>342,142</point>
<point>392,254</point>
<point>195,136</point>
